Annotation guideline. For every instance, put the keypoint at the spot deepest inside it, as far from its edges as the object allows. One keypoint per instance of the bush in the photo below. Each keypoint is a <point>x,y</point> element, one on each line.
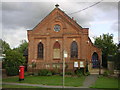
<point>44,72</point>
<point>106,73</point>
<point>61,73</point>
<point>26,74</point>
<point>87,73</point>
<point>55,72</point>
<point>68,73</point>
<point>79,72</point>
<point>49,73</point>
<point>12,71</point>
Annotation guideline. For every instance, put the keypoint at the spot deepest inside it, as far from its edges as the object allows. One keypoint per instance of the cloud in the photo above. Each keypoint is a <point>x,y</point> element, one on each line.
<point>14,37</point>
<point>114,26</point>
<point>17,17</point>
<point>25,14</point>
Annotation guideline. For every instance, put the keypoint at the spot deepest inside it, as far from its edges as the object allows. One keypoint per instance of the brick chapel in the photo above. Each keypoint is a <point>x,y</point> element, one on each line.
<point>56,33</point>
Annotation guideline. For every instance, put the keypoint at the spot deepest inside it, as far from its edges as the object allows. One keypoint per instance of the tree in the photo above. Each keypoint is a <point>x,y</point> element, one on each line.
<point>14,57</point>
<point>12,62</point>
<point>22,47</point>
<point>105,42</point>
<point>117,58</point>
<point>5,46</point>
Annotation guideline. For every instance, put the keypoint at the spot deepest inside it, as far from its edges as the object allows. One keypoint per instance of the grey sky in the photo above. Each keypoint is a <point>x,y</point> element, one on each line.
<point>17,17</point>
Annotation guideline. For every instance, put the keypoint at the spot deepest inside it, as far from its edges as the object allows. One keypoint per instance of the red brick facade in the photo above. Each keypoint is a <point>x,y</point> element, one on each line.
<point>69,31</point>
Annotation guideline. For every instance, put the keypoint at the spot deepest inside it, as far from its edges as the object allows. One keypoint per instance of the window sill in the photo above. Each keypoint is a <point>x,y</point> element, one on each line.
<point>74,59</point>
<point>56,58</point>
<point>39,58</point>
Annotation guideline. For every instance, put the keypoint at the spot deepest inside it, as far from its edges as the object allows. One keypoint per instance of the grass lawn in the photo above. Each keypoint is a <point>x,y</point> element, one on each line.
<point>49,80</point>
<point>18,86</point>
<point>105,82</point>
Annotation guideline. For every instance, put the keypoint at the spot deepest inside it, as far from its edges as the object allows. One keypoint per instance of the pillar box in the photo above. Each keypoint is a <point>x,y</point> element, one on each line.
<point>21,73</point>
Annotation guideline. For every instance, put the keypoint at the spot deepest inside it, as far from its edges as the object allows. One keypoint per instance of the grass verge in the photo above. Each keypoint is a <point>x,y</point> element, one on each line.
<point>18,86</point>
<point>105,82</point>
<point>49,80</point>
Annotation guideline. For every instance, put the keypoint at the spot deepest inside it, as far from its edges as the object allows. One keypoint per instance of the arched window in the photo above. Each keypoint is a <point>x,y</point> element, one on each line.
<point>95,60</point>
<point>40,50</point>
<point>74,50</point>
<point>56,50</point>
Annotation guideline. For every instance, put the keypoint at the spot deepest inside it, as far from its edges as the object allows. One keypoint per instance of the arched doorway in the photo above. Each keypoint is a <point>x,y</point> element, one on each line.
<point>95,61</point>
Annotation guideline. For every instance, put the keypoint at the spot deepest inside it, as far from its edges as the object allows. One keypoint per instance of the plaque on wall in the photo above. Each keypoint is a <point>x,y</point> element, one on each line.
<point>75,64</point>
<point>81,63</point>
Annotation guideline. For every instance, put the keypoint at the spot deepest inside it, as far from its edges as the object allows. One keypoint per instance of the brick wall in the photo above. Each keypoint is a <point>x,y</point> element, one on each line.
<point>69,31</point>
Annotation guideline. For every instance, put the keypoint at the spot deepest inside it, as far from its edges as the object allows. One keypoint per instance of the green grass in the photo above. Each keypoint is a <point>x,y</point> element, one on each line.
<point>18,86</point>
<point>49,80</point>
<point>106,82</point>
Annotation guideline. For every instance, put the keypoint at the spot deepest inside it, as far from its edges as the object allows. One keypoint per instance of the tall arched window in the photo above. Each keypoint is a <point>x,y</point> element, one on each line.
<point>74,50</point>
<point>40,50</point>
<point>56,50</point>
<point>95,60</point>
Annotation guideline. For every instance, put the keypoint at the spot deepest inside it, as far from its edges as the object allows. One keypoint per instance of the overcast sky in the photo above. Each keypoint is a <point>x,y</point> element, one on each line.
<point>18,17</point>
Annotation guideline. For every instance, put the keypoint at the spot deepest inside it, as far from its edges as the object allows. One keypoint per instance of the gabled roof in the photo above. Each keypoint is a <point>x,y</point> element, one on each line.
<point>93,44</point>
<point>70,19</point>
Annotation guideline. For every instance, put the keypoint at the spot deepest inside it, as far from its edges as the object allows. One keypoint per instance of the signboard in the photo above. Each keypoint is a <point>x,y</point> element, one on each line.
<point>65,54</point>
<point>75,64</point>
<point>81,63</point>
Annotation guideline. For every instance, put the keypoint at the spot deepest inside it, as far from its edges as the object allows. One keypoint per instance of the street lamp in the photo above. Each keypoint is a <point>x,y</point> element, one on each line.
<point>65,55</point>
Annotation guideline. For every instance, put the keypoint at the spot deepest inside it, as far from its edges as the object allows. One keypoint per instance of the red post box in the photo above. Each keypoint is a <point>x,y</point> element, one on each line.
<point>21,73</point>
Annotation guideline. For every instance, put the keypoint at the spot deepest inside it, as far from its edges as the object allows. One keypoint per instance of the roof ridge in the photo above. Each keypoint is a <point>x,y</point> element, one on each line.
<point>60,11</point>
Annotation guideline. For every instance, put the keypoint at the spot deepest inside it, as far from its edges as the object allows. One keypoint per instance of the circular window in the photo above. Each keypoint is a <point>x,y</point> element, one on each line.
<point>57,28</point>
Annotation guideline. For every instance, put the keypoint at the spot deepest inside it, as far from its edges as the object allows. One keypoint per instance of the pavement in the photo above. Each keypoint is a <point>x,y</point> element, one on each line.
<point>86,84</point>
<point>38,85</point>
<point>90,80</point>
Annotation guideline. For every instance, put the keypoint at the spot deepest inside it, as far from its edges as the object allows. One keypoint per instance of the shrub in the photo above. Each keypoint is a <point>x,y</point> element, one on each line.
<point>79,72</point>
<point>61,73</point>
<point>106,73</point>
<point>12,71</point>
<point>44,72</point>
<point>68,73</point>
<point>26,73</point>
<point>49,73</point>
<point>53,72</point>
<point>35,74</point>
<point>87,73</point>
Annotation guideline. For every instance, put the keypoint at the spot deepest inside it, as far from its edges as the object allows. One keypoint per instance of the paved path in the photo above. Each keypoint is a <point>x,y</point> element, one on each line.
<point>38,85</point>
<point>89,80</point>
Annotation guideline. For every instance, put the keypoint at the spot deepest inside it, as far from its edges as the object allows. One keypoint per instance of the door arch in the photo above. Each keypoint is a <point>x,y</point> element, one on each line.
<point>95,61</point>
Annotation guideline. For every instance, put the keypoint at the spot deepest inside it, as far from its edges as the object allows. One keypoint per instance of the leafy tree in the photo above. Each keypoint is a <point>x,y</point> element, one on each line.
<point>14,57</point>
<point>116,58</point>
<point>105,42</point>
<point>22,47</point>
<point>4,46</point>
<point>12,62</point>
